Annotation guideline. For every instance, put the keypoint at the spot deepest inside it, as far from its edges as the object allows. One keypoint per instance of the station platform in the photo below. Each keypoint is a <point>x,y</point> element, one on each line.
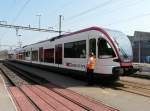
<point>136,80</point>
<point>6,103</point>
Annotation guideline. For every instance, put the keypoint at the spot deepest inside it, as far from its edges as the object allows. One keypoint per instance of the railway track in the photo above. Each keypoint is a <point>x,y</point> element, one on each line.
<point>14,88</point>
<point>43,96</point>
<point>135,87</point>
<point>144,76</point>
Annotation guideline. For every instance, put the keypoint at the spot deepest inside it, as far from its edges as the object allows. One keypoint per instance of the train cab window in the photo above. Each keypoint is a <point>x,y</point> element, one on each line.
<point>104,49</point>
<point>75,49</point>
<point>49,55</point>
<point>92,46</point>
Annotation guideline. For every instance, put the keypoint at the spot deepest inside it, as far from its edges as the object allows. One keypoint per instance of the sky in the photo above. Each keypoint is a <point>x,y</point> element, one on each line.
<point>123,15</point>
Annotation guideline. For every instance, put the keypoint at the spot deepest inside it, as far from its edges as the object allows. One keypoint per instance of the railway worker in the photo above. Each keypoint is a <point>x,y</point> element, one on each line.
<point>90,68</point>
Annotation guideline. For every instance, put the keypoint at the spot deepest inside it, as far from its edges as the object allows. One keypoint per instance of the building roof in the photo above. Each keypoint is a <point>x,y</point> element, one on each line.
<point>139,35</point>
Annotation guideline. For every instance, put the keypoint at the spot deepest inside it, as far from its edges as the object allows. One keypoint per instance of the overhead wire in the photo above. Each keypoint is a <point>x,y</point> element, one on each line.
<point>18,14</point>
<point>62,7</point>
<point>90,9</point>
<point>12,6</point>
<point>101,5</point>
<point>8,13</point>
<point>129,5</point>
<point>20,11</point>
<point>129,19</point>
<point>118,9</point>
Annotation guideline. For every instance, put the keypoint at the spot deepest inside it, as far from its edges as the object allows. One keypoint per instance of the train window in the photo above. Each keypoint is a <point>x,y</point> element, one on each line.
<point>92,46</point>
<point>104,49</point>
<point>17,57</point>
<point>20,56</point>
<point>58,54</point>
<point>35,55</point>
<point>49,55</point>
<point>75,49</point>
<point>41,54</point>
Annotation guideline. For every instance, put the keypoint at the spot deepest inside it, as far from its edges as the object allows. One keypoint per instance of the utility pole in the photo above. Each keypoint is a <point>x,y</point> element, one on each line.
<point>19,42</point>
<point>60,22</point>
<point>39,17</point>
<point>17,31</point>
<point>19,38</point>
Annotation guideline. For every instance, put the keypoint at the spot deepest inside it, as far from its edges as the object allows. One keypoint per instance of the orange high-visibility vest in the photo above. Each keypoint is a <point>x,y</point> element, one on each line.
<point>91,63</point>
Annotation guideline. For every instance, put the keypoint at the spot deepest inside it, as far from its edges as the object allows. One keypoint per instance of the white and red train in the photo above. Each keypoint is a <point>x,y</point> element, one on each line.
<point>112,49</point>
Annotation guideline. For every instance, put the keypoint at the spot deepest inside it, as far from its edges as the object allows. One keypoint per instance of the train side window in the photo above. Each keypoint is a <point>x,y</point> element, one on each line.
<point>17,56</point>
<point>75,49</point>
<point>58,54</point>
<point>49,55</point>
<point>20,55</point>
<point>92,46</point>
<point>104,49</point>
<point>35,55</point>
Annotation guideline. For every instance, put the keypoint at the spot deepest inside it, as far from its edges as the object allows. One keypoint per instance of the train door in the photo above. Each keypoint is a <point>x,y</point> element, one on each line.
<point>92,46</point>
<point>105,56</point>
<point>58,54</point>
<point>41,54</point>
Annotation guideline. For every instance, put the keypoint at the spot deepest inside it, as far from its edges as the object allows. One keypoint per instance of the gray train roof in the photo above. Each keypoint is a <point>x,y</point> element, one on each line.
<point>76,32</point>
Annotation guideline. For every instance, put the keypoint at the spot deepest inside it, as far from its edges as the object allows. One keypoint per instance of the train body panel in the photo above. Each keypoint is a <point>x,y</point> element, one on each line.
<point>71,51</point>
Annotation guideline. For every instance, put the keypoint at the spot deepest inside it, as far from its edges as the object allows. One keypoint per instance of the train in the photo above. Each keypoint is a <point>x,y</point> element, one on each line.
<point>70,52</point>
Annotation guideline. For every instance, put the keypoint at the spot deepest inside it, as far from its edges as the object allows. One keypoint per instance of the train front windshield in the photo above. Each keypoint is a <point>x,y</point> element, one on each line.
<point>124,45</point>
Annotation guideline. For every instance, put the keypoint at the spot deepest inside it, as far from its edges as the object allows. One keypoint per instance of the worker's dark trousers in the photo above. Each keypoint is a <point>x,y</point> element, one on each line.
<point>90,76</point>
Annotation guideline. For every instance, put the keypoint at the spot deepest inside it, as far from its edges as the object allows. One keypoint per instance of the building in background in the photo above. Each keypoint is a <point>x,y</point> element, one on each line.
<point>3,54</point>
<point>141,46</point>
<point>7,54</point>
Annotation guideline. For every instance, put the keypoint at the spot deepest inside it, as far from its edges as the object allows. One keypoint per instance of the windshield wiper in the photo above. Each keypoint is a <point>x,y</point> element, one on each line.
<point>124,53</point>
